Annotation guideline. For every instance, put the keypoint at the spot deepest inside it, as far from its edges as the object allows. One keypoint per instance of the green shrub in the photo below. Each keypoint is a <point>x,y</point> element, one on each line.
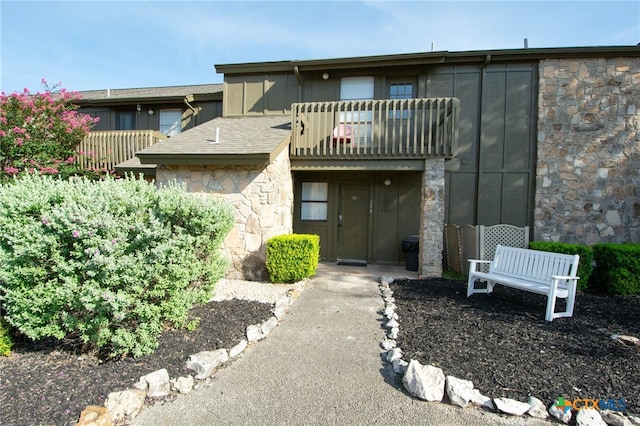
<point>618,267</point>
<point>585,267</point>
<point>293,257</point>
<point>6,343</point>
<point>107,263</point>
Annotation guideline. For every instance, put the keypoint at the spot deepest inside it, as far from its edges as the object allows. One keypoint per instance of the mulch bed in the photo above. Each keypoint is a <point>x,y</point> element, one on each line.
<point>502,343</point>
<point>46,384</point>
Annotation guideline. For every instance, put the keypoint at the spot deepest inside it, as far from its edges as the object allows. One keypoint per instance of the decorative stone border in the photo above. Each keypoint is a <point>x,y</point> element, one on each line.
<point>123,406</point>
<point>430,383</point>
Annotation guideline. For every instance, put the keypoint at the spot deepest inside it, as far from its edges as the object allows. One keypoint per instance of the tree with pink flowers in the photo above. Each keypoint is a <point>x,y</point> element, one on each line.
<point>40,132</point>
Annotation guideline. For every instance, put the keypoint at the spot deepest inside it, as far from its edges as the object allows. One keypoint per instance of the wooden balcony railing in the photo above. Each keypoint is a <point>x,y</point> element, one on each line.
<point>375,129</point>
<point>105,149</point>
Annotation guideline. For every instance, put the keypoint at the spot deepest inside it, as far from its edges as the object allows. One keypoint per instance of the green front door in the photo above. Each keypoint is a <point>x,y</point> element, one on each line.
<point>353,221</point>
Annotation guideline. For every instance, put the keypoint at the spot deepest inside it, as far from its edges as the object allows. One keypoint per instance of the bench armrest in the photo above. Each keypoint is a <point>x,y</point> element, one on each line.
<point>564,277</point>
<point>474,262</point>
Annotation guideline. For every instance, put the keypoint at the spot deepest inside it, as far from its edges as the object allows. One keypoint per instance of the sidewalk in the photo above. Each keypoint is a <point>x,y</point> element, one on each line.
<point>322,365</point>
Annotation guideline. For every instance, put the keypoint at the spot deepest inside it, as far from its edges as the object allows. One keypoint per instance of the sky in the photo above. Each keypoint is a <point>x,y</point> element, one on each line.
<point>87,45</point>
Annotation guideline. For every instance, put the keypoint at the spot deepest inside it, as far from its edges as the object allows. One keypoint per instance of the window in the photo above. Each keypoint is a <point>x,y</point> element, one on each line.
<point>170,121</point>
<point>359,122</point>
<point>125,120</point>
<point>400,91</point>
<point>314,200</point>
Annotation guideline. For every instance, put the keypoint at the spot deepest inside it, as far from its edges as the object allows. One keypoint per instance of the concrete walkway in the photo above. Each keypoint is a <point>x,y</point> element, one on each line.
<point>322,365</point>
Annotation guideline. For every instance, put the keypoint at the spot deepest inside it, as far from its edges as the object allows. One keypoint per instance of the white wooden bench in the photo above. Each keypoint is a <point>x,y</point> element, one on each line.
<point>546,273</point>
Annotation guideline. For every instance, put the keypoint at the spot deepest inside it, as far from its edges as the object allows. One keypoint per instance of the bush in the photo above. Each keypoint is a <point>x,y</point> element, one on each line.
<point>40,132</point>
<point>6,343</point>
<point>618,267</point>
<point>585,267</point>
<point>106,263</point>
<point>291,258</point>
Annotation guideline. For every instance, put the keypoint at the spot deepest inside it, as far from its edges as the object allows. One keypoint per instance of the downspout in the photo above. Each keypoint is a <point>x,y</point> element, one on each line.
<point>195,112</point>
<point>296,71</point>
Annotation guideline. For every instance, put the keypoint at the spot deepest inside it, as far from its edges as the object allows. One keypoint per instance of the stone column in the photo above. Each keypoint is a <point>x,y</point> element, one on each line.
<point>432,219</point>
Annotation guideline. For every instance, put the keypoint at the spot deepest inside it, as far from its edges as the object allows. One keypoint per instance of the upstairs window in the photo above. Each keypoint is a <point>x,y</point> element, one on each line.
<point>170,121</point>
<point>400,90</point>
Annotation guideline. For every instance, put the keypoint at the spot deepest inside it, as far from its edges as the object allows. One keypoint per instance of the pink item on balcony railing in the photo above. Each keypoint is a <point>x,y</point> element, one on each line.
<point>342,134</point>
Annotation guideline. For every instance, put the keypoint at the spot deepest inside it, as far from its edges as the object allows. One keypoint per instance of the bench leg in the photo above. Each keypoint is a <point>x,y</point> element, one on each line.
<point>551,301</point>
<point>471,286</point>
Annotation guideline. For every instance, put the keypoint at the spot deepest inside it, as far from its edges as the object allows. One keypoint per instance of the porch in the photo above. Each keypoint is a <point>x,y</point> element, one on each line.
<point>106,149</point>
<point>408,129</point>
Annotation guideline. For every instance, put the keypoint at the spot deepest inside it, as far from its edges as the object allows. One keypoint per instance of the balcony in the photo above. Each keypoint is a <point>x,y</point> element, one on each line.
<point>105,149</point>
<point>375,129</point>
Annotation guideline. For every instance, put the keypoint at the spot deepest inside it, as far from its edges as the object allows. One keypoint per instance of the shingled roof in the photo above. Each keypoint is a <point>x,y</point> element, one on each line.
<point>155,94</point>
<point>241,141</point>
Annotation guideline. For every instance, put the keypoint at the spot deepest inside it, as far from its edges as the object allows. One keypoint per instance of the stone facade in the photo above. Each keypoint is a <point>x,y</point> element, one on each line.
<point>588,166</point>
<point>432,219</point>
<point>263,202</point>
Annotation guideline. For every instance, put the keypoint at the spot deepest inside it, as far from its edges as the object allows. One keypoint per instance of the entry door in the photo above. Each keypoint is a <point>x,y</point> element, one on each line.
<point>353,221</point>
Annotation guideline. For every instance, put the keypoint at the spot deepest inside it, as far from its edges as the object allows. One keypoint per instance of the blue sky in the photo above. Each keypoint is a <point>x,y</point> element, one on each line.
<point>114,44</point>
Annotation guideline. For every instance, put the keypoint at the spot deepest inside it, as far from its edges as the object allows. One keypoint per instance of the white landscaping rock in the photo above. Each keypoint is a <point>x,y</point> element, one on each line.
<point>392,323</point>
<point>238,349</point>
<point>281,307</point>
<point>424,382</point>
<point>254,333</point>
<point>511,406</point>
<point>124,406</point>
<point>537,409</point>
<point>182,384</point>
<point>399,366</point>
<point>204,363</point>
<point>589,417</point>
<point>157,383</point>
<point>481,400</point>
<point>393,354</point>
<point>615,418</point>
<point>269,325</point>
<point>393,334</point>
<point>560,414</point>
<point>459,391</point>
<point>388,344</point>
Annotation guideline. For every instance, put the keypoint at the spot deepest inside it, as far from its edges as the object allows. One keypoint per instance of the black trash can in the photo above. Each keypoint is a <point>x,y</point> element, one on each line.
<point>410,247</point>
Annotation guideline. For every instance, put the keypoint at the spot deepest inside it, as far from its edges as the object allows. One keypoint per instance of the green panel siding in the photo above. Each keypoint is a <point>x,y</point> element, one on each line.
<point>254,90</point>
<point>490,180</point>
<point>233,95</point>
<point>461,198</point>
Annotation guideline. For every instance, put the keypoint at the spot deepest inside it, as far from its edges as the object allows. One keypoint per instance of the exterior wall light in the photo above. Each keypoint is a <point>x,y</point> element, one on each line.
<point>325,76</point>
<point>151,112</point>
<point>387,182</point>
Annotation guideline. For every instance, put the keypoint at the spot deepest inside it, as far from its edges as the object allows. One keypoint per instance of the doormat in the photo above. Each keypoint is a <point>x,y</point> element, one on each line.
<point>352,262</point>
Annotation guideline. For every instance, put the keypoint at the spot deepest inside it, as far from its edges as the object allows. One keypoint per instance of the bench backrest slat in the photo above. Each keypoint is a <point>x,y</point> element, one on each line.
<point>534,265</point>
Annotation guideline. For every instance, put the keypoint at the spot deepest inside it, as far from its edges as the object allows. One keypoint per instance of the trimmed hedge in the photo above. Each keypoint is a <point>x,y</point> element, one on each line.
<point>6,342</point>
<point>293,257</point>
<point>108,264</point>
<point>618,267</point>
<point>585,267</point>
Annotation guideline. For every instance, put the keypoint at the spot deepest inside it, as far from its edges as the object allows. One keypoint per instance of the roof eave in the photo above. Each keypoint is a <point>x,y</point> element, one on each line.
<point>201,159</point>
<point>424,58</point>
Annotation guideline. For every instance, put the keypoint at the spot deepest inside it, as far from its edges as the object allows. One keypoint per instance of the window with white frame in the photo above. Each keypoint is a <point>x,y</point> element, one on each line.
<point>314,201</point>
<point>170,121</point>
<point>358,122</point>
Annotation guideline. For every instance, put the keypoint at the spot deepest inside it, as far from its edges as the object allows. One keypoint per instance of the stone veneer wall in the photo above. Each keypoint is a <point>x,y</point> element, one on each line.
<point>263,202</point>
<point>588,179</point>
<point>432,219</point>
